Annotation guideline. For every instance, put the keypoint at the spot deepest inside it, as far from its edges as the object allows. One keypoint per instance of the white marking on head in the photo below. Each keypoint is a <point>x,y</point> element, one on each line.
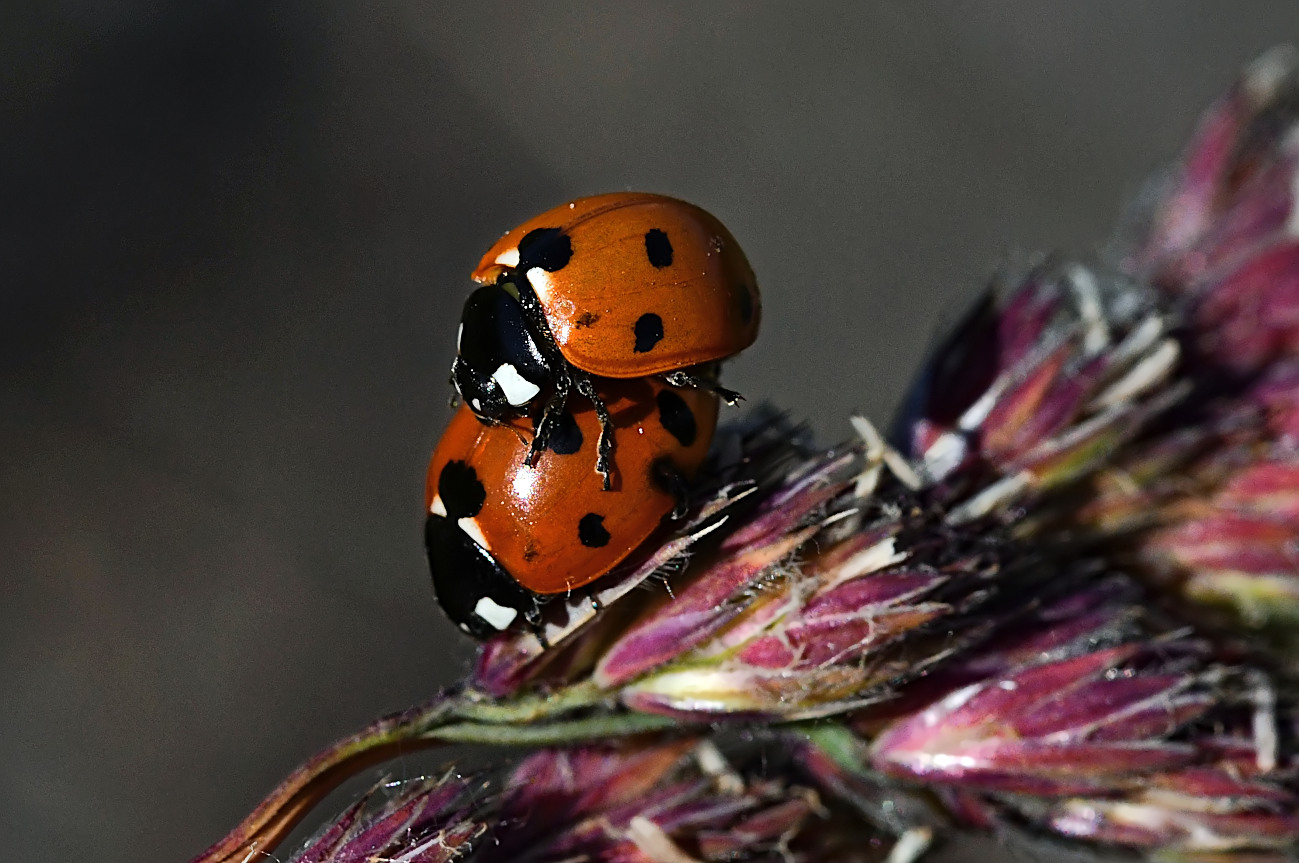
<point>470,526</point>
<point>541,284</point>
<point>518,389</point>
<point>437,507</point>
<point>509,257</point>
<point>496,615</point>
<point>460,334</point>
<point>475,404</point>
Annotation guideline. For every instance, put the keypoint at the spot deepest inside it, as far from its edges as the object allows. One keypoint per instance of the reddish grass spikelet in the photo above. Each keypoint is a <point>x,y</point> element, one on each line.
<point>1100,720</point>
<point>424,821</point>
<point>1234,188</point>
<point>1198,809</point>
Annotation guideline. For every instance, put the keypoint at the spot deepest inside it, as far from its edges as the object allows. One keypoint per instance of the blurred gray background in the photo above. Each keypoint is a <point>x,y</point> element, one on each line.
<point>235,238</point>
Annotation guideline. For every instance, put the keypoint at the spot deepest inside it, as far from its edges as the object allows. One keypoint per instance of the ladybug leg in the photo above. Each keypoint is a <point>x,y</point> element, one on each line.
<point>532,617</point>
<point>549,418</point>
<point>563,373</point>
<point>565,376</point>
<point>605,450</point>
<point>454,401</point>
<point>674,483</point>
<point>688,381</point>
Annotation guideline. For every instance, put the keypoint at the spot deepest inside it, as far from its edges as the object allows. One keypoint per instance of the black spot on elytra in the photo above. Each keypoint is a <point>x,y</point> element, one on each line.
<point>591,531</point>
<point>746,304</point>
<point>659,248</point>
<point>548,248</point>
<point>649,332</point>
<point>461,491</point>
<point>566,435</point>
<point>675,416</point>
<point>586,319</point>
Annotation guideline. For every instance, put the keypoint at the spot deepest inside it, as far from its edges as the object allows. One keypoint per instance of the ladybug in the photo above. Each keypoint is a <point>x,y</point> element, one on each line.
<point>503,535</point>
<point>625,285</point>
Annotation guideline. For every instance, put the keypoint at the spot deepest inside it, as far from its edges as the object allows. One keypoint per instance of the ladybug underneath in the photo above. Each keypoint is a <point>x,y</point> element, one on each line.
<point>625,285</point>
<point>503,535</point>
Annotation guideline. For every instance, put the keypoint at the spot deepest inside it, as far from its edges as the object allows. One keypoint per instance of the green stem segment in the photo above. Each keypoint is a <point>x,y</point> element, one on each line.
<point>554,733</point>
<point>460,718</point>
<point>838,743</point>
<point>532,707</point>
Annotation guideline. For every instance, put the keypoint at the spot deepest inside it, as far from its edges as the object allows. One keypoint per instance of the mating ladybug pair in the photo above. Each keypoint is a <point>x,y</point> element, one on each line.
<point>586,367</point>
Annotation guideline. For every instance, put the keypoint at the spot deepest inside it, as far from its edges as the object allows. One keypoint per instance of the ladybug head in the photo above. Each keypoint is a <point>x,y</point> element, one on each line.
<point>499,368</point>
<point>473,589</point>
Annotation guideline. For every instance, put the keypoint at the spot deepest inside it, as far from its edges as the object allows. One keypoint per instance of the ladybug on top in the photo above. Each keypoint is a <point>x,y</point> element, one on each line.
<point>625,285</point>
